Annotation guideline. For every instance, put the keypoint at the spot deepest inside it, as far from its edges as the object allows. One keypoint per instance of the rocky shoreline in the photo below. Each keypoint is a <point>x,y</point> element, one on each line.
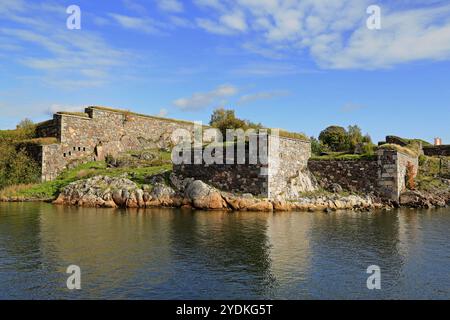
<point>173,192</point>
<point>110,192</point>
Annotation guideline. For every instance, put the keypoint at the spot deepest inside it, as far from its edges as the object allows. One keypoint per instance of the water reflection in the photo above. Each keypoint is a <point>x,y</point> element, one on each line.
<point>176,254</point>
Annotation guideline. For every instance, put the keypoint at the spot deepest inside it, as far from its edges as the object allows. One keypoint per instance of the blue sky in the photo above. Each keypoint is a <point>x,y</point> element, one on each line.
<point>300,65</point>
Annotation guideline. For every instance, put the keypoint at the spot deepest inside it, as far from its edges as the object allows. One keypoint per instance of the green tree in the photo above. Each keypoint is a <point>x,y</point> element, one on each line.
<point>223,119</point>
<point>26,128</point>
<point>16,166</point>
<point>335,138</point>
<point>316,147</point>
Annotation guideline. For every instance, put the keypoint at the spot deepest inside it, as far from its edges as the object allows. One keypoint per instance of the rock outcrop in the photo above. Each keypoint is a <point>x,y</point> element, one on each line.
<point>417,199</point>
<point>111,192</point>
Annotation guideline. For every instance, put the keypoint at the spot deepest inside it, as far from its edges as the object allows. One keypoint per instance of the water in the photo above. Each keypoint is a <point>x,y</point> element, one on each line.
<point>172,254</point>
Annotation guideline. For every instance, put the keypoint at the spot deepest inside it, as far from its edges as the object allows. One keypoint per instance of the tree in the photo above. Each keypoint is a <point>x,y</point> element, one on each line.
<point>26,129</point>
<point>223,119</point>
<point>335,138</point>
<point>316,147</point>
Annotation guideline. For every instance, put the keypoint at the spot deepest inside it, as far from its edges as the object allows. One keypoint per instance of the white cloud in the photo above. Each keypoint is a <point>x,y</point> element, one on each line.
<point>62,107</point>
<point>235,21</point>
<point>202,100</point>
<point>265,95</point>
<point>134,6</point>
<point>334,33</point>
<point>170,5</point>
<point>145,25</point>
<point>414,35</point>
<point>228,24</point>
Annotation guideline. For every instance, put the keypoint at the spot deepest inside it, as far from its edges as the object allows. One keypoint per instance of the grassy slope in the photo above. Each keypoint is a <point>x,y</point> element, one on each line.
<point>50,189</point>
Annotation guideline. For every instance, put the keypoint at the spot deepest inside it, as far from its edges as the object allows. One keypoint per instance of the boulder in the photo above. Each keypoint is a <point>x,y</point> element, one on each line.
<point>204,196</point>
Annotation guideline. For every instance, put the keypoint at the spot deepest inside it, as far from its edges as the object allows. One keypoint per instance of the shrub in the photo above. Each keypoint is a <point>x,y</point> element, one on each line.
<point>335,138</point>
<point>223,119</point>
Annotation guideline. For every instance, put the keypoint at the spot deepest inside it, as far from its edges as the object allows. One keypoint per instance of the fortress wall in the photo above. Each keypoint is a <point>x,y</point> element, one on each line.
<point>236,178</point>
<point>283,174</point>
<point>288,167</point>
<point>232,177</point>
<point>443,151</point>
<point>351,175</point>
<point>99,133</point>
<point>392,172</point>
<point>50,128</point>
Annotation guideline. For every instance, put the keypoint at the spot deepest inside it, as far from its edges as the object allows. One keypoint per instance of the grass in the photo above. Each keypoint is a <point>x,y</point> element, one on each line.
<point>345,157</point>
<point>39,141</point>
<point>51,189</point>
<point>396,147</point>
<point>412,141</point>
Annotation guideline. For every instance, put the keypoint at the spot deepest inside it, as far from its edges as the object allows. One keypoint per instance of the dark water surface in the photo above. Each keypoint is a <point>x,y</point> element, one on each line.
<point>172,254</point>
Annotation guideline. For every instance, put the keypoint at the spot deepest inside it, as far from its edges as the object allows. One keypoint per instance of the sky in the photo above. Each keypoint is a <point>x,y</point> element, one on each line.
<point>300,65</point>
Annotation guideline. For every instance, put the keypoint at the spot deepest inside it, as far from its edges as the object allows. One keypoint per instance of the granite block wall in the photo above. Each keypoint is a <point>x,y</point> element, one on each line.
<point>392,172</point>
<point>283,173</point>
<point>360,176</point>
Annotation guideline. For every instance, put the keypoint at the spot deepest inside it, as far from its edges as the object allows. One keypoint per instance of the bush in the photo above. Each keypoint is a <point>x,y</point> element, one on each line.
<point>335,138</point>
<point>223,119</point>
<point>16,166</point>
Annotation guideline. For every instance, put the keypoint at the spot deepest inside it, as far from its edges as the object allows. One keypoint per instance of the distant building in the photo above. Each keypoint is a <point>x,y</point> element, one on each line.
<point>437,141</point>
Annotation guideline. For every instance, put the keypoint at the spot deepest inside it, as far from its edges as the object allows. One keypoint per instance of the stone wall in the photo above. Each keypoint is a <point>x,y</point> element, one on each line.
<point>392,172</point>
<point>283,174</point>
<point>101,132</point>
<point>360,176</point>
<point>50,128</point>
<point>288,168</point>
<point>228,174</point>
<point>437,151</point>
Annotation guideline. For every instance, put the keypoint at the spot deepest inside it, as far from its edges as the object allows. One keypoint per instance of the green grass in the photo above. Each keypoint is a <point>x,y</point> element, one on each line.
<point>38,141</point>
<point>51,189</point>
<point>395,147</point>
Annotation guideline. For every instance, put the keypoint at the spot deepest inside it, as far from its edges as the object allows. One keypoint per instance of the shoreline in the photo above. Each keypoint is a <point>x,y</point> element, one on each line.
<point>172,192</point>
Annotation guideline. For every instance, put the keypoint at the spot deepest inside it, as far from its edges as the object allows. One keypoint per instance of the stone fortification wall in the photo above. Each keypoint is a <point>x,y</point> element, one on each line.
<point>360,176</point>
<point>99,132</point>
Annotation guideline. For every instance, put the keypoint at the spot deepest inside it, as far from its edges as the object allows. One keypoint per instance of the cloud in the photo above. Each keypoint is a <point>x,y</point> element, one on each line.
<point>54,108</point>
<point>408,36</point>
<point>145,25</point>
<point>265,95</point>
<point>334,33</point>
<point>134,6</point>
<point>228,24</point>
<point>170,5</point>
<point>202,100</point>
<point>65,58</point>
